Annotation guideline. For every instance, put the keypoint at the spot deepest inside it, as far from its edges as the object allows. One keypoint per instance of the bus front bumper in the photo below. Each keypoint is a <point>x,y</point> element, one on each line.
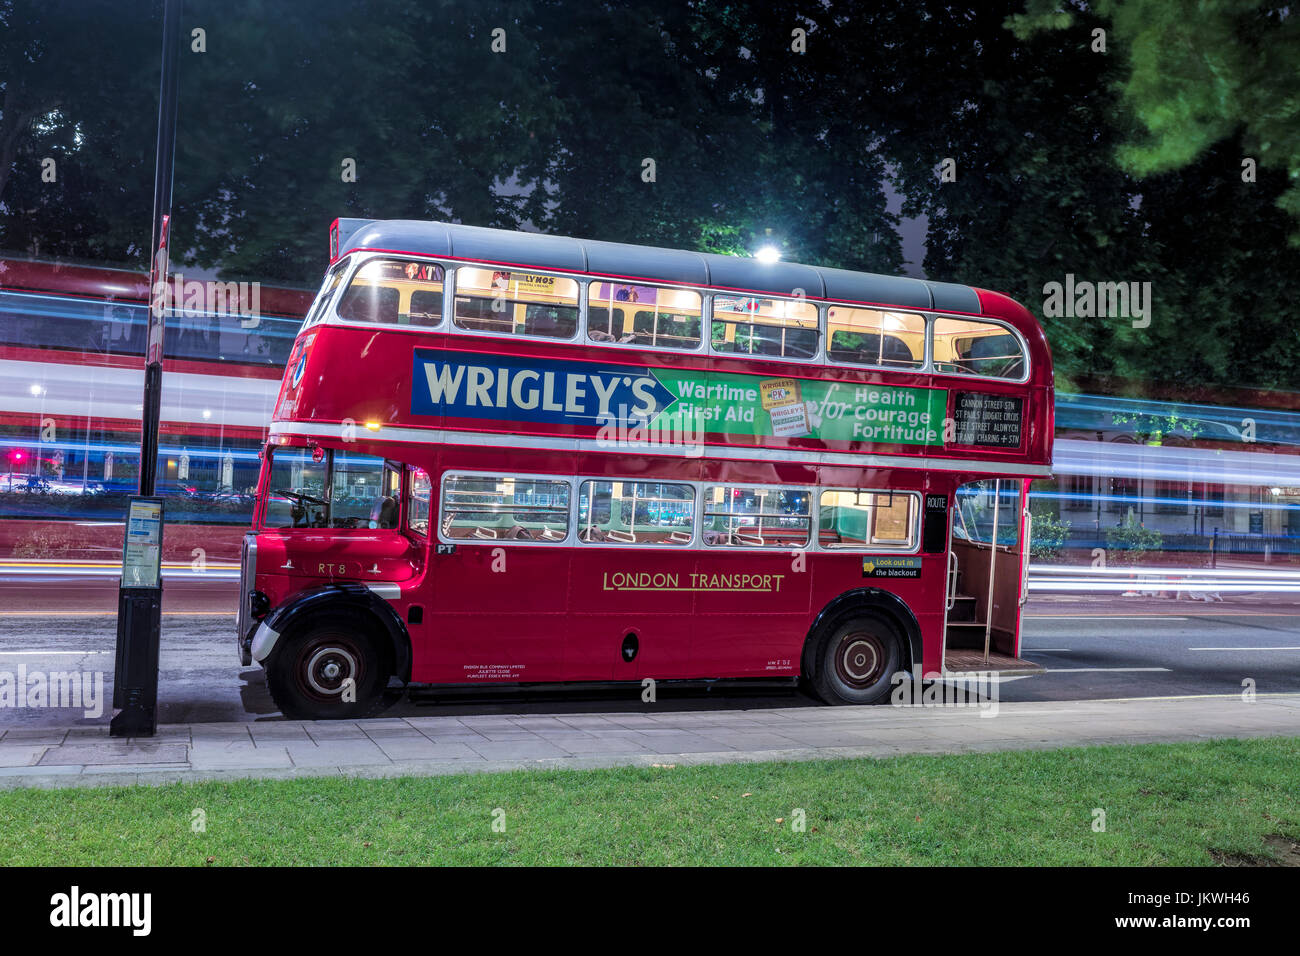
<point>244,644</point>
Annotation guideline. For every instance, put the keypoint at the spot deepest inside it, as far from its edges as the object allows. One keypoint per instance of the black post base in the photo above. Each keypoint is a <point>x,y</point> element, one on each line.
<point>135,690</point>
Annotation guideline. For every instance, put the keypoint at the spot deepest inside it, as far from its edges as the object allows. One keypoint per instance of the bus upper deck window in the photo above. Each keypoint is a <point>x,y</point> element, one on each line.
<point>756,325</point>
<point>394,292</point>
<point>651,316</point>
<point>327,290</point>
<point>968,347</point>
<point>875,337</point>
<point>508,302</point>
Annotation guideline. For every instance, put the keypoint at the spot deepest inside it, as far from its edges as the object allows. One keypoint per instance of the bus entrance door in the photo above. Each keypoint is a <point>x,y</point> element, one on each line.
<point>987,575</point>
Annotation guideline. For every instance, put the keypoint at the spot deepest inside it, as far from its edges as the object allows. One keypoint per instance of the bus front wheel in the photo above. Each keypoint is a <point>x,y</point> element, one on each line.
<point>327,668</point>
<point>856,661</point>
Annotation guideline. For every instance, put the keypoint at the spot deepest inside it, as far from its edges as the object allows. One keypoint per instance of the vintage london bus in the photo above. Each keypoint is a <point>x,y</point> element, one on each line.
<point>501,457</point>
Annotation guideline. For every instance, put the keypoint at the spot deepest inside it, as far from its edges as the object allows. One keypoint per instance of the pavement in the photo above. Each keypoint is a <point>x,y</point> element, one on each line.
<point>446,744</point>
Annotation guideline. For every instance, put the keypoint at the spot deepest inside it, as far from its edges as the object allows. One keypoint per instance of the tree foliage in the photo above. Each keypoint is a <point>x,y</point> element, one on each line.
<point>1201,73</point>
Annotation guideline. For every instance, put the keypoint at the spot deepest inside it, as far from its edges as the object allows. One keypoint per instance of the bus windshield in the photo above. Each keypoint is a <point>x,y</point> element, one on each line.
<point>336,489</point>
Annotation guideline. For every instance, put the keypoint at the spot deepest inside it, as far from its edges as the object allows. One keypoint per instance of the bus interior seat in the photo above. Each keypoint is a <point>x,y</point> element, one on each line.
<point>541,322</point>
<point>518,533</point>
<point>871,351</point>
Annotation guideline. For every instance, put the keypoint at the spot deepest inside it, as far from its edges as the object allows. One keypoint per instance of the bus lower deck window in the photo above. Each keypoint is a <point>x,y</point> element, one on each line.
<point>504,508</point>
<point>636,513</point>
<point>742,517</point>
<point>867,519</point>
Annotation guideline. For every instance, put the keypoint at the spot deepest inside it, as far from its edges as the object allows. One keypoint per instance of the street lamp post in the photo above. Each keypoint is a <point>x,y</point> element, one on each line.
<point>139,603</point>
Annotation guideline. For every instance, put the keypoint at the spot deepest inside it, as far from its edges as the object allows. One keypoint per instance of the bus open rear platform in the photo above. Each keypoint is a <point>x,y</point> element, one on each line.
<point>965,661</point>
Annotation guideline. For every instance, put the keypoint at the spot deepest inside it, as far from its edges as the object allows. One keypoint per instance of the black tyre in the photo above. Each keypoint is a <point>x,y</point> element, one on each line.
<point>309,670</point>
<point>855,661</point>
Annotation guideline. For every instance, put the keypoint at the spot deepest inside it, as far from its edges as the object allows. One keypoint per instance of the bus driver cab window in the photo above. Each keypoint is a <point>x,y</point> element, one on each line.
<point>338,490</point>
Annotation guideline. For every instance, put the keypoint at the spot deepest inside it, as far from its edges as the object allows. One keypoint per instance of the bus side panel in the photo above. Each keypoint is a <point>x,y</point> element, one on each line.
<point>752,603</point>
<point>836,574</point>
<point>752,612</point>
<point>501,615</point>
<point>617,592</point>
<point>838,571</point>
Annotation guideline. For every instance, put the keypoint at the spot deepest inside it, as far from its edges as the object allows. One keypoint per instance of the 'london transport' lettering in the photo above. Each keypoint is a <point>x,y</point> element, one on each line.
<point>691,581</point>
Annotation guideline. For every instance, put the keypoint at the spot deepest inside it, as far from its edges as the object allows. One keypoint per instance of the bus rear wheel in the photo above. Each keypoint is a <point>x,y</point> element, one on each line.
<point>328,668</point>
<point>856,661</point>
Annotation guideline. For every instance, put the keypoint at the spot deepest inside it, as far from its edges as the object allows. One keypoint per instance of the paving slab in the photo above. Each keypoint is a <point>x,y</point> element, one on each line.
<point>258,758</point>
<point>418,748</point>
<point>117,753</point>
<point>21,755</point>
<point>343,753</point>
<point>34,736</point>
<point>516,749</point>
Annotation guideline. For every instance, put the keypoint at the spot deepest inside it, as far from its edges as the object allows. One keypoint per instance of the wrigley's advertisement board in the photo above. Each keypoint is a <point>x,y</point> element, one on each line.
<point>519,389</point>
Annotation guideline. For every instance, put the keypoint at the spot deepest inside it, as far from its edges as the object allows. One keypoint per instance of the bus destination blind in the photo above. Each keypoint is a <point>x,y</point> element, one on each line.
<point>989,420</point>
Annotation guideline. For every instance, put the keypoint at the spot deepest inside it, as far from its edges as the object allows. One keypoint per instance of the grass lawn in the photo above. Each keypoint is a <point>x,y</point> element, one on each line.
<point>1164,804</point>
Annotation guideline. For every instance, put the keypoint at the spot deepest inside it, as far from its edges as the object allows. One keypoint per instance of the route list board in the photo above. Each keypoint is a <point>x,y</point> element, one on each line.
<point>142,552</point>
<point>988,419</point>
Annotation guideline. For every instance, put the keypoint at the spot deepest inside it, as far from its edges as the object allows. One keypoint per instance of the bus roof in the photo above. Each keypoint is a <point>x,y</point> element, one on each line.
<point>648,263</point>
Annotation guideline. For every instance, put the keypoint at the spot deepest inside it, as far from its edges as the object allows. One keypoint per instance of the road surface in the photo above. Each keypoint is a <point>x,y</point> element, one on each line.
<point>1090,650</point>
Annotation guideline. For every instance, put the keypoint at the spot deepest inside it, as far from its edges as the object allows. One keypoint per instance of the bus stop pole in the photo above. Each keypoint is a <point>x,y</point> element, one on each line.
<point>139,604</point>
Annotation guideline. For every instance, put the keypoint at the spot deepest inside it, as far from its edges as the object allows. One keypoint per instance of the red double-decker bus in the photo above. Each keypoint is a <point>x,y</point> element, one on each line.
<point>501,457</point>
